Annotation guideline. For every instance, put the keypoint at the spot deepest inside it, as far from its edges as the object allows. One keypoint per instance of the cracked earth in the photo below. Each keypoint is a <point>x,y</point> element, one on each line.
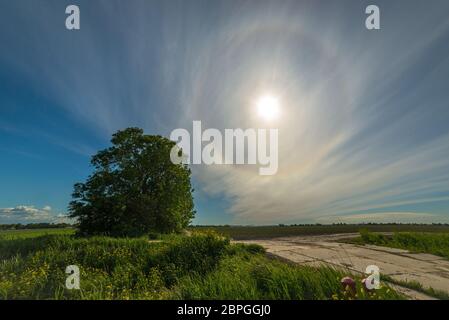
<point>429,270</point>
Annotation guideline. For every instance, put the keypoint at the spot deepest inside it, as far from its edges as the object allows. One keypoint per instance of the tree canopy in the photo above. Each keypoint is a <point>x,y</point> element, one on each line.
<point>134,189</point>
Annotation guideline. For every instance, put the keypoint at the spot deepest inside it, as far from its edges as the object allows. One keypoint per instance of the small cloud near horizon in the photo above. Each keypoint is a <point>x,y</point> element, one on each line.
<point>25,214</point>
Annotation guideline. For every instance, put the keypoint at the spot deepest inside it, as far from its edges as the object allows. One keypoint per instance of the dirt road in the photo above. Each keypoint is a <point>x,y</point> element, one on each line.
<point>429,270</point>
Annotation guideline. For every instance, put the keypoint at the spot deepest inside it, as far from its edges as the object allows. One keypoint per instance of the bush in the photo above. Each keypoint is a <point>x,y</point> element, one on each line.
<point>110,268</point>
<point>154,236</point>
<point>198,253</point>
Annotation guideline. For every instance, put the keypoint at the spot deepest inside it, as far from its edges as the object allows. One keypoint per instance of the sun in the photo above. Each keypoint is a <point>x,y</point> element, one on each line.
<point>268,107</point>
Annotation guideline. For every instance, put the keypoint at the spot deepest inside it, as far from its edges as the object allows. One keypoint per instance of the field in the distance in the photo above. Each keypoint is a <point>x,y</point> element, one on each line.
<point>432,243</point>
<point>268,232</point>
<point>31,233</point>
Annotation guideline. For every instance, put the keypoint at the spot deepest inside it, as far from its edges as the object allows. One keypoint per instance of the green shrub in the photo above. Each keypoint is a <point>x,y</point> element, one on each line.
<point>110,268</point>
<point>154,236</point>
<point>198,253</point>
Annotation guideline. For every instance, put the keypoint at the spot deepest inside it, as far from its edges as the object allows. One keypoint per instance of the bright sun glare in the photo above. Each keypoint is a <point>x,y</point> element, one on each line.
<point>268,107</point>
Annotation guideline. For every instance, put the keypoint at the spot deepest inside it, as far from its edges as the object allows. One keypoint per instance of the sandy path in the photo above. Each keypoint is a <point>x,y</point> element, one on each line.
<point>429,270</point>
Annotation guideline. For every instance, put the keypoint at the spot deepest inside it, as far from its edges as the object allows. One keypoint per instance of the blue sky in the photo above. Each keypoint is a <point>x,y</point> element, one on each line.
<point>363,135</point>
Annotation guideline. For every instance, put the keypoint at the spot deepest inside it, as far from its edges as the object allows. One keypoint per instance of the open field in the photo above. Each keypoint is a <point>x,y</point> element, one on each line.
<point>31,233</point>
<point>33,263</point>
<point>200,266</point>
<point>269,232</point>
<point>433,243</point>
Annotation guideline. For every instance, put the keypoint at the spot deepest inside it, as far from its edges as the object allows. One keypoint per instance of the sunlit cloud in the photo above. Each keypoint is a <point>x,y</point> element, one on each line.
<point>30,214</point>
<point>362,116</point>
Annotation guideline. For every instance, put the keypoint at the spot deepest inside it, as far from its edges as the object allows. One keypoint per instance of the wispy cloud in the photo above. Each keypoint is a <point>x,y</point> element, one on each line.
<point>364,114</point>
<point>360,131</point>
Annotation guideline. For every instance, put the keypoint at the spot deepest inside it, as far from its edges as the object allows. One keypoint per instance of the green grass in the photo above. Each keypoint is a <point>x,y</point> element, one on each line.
<point>201,266</point>
<point>433,243</point>
<point>32,233</point>
<point>268,232</point>
<point>414,285</point>
<point>249,276</point>
<point>110,268</point>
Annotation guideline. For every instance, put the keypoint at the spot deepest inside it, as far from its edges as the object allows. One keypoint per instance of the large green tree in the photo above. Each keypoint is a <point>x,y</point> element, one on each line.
<point>134,189</point>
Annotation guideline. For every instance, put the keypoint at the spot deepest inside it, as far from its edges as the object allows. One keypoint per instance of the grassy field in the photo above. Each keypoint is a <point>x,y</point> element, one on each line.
<point>201,266</point>
<point>267,232</point>
<point>433,243</point>
<point>31,233</point>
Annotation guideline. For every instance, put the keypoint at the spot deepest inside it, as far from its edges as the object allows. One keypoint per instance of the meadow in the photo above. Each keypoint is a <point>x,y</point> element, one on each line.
<point>423,242</point>
<point>268,232</point>
<point>433,243</point>
<point>31,233</point>
<point>204,265</point>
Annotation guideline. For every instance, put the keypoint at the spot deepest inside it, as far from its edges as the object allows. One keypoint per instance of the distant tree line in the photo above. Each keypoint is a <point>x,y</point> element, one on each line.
<point>320,225</point>
<point>19,226</point>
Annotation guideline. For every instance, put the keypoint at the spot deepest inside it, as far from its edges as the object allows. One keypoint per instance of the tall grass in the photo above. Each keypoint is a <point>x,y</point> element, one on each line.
<point>268,232</point>
<point>110,268</point>
<point>201,266</point>
<point>433,243</point>
<point>254,276</point>
<point>32,233</point>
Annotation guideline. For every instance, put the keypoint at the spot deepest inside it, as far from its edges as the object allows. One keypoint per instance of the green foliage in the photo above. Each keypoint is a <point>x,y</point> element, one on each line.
<point>110,268</point>
<point>268,232</point>
<point>245,275</point>
<point>32,233</point>
<point>415,285</point>
<point>368,237</point>
<point>135,189</point>
<point>154,236</point>
<point>199,253</point>
<point>250,248</point>
<point>433,243</point>
<point>203,265</point>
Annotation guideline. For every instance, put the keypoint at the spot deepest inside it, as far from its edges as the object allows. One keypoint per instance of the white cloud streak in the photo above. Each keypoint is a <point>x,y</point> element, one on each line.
<point>30,214</point>
<point>364,115</point>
